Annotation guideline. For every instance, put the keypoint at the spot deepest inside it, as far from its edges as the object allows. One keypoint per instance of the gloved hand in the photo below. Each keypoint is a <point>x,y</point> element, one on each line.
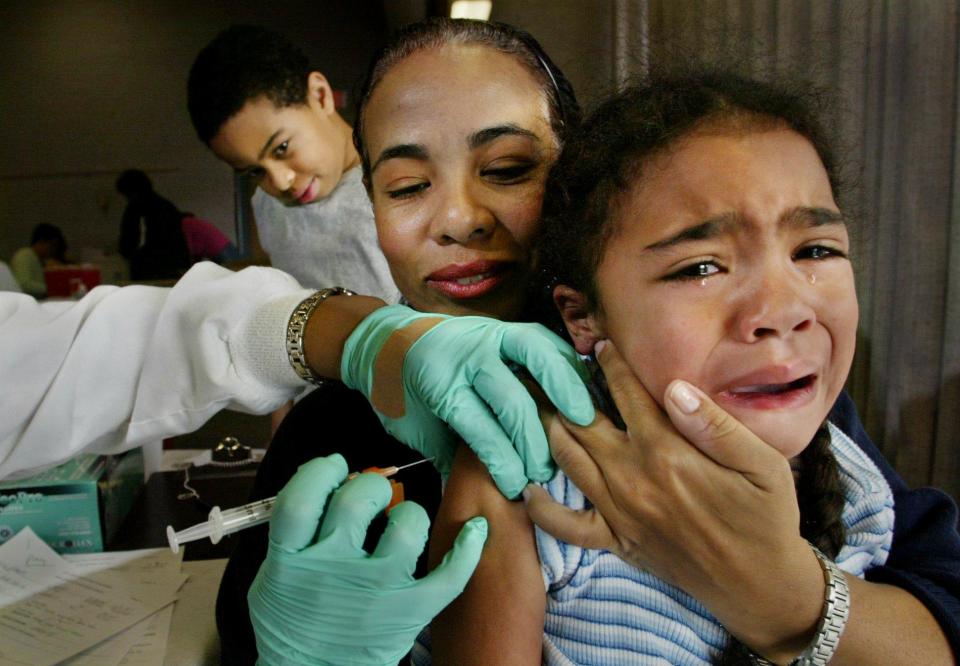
<point>455,372</point>
<point>320,599</point>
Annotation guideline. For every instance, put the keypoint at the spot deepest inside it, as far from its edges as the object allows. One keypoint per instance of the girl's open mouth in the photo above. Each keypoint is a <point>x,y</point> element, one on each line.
<point>773,396</point>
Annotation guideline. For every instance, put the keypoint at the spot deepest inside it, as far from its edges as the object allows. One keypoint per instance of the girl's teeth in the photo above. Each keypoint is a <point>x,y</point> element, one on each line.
<point>775,388</point>
<point>763,388</point>
<point>473,279</point>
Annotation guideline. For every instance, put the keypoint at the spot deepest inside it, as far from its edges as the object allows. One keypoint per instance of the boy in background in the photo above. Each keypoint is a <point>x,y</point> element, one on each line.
<point>258,105</point>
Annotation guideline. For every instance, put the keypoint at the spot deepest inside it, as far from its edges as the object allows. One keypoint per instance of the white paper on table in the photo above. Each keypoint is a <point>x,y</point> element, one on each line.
<point>151,570</point>
<point>144,643</point>
<point>152,646</point>
<point>147,560</point>
<point>49,613</point>
<point>112,651</point>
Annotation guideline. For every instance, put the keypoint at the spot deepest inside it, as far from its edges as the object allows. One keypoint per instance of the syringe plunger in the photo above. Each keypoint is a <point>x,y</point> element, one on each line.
<point>221,523</point>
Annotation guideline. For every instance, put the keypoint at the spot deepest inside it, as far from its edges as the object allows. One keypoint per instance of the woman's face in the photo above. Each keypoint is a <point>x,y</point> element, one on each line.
<point>460,143</point>
<point>728,268</point>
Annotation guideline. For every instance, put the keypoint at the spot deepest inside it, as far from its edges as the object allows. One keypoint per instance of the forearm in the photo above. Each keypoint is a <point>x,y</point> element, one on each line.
<point>886,624</point>
<point>328,328</point>
<point>889,625</point>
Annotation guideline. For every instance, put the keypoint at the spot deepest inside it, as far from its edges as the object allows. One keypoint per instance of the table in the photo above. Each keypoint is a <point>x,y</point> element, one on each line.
<point>193,629</point>
<point>157,506</point>
<point>193,637</point>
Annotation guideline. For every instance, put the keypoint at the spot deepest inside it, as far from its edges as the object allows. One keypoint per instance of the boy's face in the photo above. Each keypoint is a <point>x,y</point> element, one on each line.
<point>296,153</point>
<point>728,268</point>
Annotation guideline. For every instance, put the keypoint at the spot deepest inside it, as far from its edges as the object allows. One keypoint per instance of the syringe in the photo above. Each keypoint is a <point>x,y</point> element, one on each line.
<point>221,523</point>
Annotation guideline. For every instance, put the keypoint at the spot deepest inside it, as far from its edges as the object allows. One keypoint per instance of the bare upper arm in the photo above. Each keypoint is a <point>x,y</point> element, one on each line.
<point>499,617</point>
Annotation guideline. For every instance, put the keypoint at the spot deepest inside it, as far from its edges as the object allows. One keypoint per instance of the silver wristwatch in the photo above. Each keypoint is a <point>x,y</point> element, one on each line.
<point>298,324</point>
<point>836,610</point>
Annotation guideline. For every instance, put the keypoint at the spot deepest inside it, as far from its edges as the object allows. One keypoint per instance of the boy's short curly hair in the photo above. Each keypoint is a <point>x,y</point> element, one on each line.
<point>240,64</point>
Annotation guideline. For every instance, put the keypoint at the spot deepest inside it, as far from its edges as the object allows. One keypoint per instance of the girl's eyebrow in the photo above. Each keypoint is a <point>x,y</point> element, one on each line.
<point>709,228</point>
<point>807,216</point>
<point>488,134</point>
<point>799,216</point>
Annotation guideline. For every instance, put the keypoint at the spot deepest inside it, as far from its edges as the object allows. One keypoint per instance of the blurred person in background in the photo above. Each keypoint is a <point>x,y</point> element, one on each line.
<point>27,263</point>
<point>151,236</point>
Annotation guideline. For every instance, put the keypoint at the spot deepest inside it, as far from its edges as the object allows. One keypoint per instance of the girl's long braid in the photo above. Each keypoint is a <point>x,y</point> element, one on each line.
<point>820,498</point>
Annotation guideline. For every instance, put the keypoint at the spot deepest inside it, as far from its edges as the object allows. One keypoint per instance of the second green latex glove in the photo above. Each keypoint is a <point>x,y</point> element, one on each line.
<point>456,373</point>
<point>320,599</point>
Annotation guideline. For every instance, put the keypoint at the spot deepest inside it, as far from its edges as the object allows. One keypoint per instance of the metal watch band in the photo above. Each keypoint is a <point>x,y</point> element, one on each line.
<point>836,610</point>
<point>298,324</point>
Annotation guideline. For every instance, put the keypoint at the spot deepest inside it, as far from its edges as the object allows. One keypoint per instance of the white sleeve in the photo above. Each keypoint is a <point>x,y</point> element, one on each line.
<point>127,366</point>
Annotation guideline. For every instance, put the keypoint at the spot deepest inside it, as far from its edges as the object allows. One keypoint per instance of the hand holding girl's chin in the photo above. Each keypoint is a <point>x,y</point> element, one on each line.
<point>694,497</point>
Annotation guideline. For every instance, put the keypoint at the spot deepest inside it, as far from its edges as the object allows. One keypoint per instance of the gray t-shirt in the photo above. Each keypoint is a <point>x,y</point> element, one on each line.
<point>329,243</point>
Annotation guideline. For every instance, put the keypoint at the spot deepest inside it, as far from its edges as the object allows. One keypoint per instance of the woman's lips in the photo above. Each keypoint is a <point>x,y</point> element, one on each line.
<point>471,280</point>
<point>310,193</point>
<point>772,395</point>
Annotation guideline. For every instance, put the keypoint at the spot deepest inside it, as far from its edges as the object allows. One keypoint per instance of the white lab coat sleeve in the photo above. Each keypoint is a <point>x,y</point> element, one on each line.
<point>126,366</point>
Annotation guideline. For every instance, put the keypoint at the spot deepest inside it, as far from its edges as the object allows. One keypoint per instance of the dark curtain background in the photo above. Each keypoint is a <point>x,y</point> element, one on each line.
<point>893,66</point>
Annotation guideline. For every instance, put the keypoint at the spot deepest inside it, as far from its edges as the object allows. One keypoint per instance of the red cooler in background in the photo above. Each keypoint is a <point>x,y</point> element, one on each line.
<point>69,281</point>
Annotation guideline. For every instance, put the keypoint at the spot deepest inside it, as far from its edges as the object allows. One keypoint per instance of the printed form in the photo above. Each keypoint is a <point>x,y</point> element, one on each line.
<point>52,609</point>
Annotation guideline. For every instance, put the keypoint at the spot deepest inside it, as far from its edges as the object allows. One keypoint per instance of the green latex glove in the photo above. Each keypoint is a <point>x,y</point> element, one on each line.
<point>320,599</point>
<point>455,373</point>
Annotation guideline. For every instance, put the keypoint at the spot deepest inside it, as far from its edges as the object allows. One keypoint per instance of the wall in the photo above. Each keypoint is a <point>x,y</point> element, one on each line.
<point>91,87</point>
<point>892,70</point>
<point>577,34</point>
<point>95,86</point>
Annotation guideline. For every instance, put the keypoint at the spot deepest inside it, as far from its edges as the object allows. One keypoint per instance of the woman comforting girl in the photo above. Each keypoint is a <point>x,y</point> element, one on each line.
<point>459,125</point>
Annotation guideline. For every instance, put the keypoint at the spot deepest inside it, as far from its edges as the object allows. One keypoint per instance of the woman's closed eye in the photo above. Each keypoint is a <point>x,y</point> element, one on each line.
<point>407,190</point>
<point>507,173</point>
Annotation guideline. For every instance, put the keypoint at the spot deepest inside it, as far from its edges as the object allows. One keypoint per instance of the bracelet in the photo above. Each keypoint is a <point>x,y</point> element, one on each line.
<point>836,611</point>
<point>298,324</point>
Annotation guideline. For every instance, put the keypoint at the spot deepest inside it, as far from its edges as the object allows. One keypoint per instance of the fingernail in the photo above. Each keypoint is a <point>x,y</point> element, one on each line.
<point>526,494</point>
<point>599,346</point>
<point>585,416</point>
<point>478,523</point>
<point>685,397</point>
